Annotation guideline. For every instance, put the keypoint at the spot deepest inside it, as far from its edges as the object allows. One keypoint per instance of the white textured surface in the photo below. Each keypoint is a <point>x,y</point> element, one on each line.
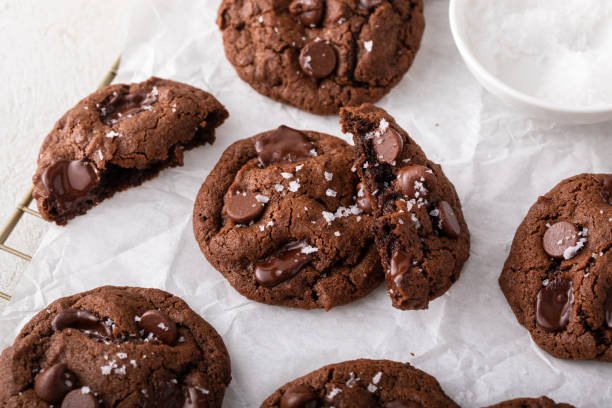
<point>558,52</point>
<point>52,54</point>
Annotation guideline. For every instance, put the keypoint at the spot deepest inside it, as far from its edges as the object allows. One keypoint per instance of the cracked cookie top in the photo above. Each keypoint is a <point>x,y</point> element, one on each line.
<point>421,235</point>
<point>558,275</point>
<point>114,346</point>
<point>319,55</point>
<point>118,137</point>
<point>364,384</point>
<point>278,218</point>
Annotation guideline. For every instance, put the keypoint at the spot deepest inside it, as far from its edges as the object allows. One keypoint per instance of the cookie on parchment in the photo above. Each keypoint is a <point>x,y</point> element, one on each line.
<point>319,55</point>
<point>277,216</point>
<point>118,137</point>
<point>421,235</point>
<point>541,402</point>
<point>558,275</point>
<point>115,347</point>
<point>362,384</point>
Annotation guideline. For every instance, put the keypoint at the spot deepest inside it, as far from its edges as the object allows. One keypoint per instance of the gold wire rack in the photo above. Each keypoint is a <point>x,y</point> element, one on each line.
<point>23,206</point>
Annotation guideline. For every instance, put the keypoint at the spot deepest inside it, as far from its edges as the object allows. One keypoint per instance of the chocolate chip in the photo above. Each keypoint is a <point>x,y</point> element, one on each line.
<point>283,265</point>
<point>159,324</point>
<point>194,398</point>
<point>79,399</point>
<point>243,206</point>
<point>415,180</point>
<point>554,305</point>
<point>609,309</point>
<point>284,145</point>
<point>318,59</point>
<point>388,146</point>
<point>448,220</point>
<point>53,383</point>
<point>400,263</point>
<point>80,320</point>
<point>369,4</point>
<point>559,237</point>
<point>68,181</point>
<point>299,396</point>
<point>354,397</point>
<point>309,12</point>
<point>365,201</point>
<point>119,106</point>
<point>402,404</point>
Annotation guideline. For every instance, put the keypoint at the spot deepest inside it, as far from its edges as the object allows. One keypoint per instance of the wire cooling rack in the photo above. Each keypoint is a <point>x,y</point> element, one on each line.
<point>23,206</point>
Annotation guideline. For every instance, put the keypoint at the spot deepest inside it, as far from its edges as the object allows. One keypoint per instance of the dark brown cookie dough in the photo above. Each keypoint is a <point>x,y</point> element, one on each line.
<point>420,231</point>
<point>362,384</point>
<point>115,347</point>
<point>320,55</point>
<point>277,217</point>
<point>542,402</point>
<point>558,275</point>
<point>119,137</point>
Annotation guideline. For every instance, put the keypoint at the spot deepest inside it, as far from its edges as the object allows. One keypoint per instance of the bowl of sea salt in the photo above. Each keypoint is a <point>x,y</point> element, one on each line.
<point>549,59</point>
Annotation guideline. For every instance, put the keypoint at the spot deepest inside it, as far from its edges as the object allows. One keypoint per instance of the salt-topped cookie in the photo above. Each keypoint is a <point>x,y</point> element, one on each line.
<point>558,275</point>
<point>278,217</point>
<point>118,137</point>
<point>320,55</point>
<point>113,346</point>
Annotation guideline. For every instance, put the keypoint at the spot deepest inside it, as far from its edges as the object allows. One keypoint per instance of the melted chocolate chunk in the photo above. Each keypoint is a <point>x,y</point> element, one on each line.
<point>120,106</point>
<point>309,12</point>
<point>388,146</point>
<point>318,59</point>
<point>369,4</point>
<point>415,181</point>
<point>69,181</point>
<point>243,206</point>
<point>194,398</point>
<point>78,399</point>
<point>449,224</point>
<point>80,320</point>
<point>160,325</point>
<point>284,145</point>
<point>402,404</point>
<point>52,384</point>
<point>283,265</point>
<point>400,263</point>
<point>560,237</point>
<point>554,305</point>
<point>299,396</point>
<point>609,309</point>
<point>365,201</point>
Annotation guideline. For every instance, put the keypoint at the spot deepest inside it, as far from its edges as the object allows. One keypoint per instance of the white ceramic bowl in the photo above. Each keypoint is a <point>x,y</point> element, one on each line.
<point>526,104</point>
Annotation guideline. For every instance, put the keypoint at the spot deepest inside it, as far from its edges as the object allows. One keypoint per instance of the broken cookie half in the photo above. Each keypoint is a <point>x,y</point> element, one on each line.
<point>118,137</point>
<point>420,232</point>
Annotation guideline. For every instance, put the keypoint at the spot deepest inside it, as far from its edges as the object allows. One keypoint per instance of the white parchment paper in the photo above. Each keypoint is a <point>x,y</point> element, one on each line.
<point>468,339</point>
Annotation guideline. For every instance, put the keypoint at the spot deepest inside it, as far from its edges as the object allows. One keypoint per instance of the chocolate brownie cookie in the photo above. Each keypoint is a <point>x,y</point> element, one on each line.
<point>320,55</point>
<point>115,347</point>
<point>420,232</point>
<point>558,275</point>
<point>362,384</point>
<point>542,402</point>
<point>119,137</point>
<point>277,217</point>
